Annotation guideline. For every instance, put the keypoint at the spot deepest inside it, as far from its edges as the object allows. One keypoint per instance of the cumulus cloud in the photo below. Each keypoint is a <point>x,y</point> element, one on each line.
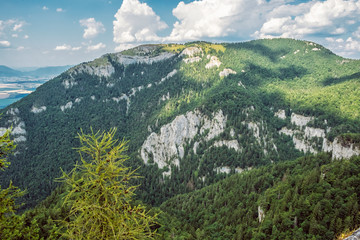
<point>62,47</point>
<point>5,44</point>
<point>26,36</point>
<point>45,8</point>
<point>59,10</point>
<point>315,17</point>
<point>213,18</point>
<point>136,22</point>
<point>7,27</point>
<point>66,47</point>
<point>357,33</point>
<point>75,48</point>
<point>92,28</point>
<point>96,47</point>
<point>20,48</point>
<point>18,26</point>
<point>123,47</point>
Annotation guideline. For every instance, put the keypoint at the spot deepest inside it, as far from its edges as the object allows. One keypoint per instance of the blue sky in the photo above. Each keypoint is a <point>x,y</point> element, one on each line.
<point>61,32</point>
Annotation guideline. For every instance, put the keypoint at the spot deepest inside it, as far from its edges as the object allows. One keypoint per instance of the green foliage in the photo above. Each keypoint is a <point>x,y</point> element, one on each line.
<point>275,74</point>
<point>12,226</point>
<point>100,195</point>
<point>6,146</point>
<point>310,198</point>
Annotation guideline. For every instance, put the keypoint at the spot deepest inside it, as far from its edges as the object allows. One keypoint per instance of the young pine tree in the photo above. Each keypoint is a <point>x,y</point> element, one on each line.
<point>12,226</point>
<point>100,194</point>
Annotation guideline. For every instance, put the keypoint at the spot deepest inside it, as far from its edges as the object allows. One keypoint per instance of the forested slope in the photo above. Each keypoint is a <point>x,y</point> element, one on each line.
<point>309,198</point>
<point>194,113</point>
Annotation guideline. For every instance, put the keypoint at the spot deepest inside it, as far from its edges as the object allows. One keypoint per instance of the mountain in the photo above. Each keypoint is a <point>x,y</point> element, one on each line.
<point>47,71</point>
<point>17,84</point>
<point>9,72</point>
<point>194,113</point>
<point>38,72</point>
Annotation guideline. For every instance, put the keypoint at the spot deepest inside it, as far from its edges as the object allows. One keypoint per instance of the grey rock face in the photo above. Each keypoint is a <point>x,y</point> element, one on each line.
<point>167,147</point>
<point>354,236</point>
<point>127,60</point>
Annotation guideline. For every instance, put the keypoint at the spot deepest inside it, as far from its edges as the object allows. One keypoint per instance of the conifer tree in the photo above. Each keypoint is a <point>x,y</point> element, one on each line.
<point>12,226</point>
<point>100,193</point>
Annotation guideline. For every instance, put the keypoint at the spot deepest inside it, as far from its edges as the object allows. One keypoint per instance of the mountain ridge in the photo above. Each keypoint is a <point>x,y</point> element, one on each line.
<point>41,71</point>
<point>151,91</point>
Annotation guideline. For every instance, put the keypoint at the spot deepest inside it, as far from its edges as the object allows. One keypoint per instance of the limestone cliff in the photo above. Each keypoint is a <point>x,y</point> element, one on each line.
<point>167,146</point>
<point>313,140</point>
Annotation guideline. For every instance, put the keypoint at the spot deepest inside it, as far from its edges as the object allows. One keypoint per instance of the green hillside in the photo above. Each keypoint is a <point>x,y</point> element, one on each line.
<point>235,91</point>
<point>309,198</point>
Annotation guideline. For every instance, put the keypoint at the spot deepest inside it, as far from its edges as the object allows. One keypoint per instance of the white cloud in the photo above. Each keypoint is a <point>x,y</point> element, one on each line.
<point>8,27</point>
<point>14,35</point>
<point>357,33</point>
<point>4,43</point>
<point>136,22</point>
<point>123,47</point>
<point>2,25</point>
<point>45,8</point>
<point>75,48</point>
<point>62,47</point>
<point>337,31</point>
<point>314,17</point>
<point>96,47</point>
<point>214,18</point>
<point>66,47</point>
<point>26,36</point>
<point>20,48</point>
<point>18,26</point>
<point>59,10</point>
<point>92,28</point>
<point>352,44</point>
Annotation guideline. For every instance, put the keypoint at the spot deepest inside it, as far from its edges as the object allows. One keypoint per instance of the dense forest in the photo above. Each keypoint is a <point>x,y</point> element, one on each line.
<point>264,111</point>
<point>309,198</point>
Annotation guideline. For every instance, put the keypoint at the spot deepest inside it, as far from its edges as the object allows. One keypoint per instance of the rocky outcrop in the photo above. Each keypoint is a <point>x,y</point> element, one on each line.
<point>300,120</point>
<point>226,72</point>
<point>240,84</point>
<point>192,59</point>
<point>261,214</point>
<point>69,83</point>
<point>127,60</point>
<point>18,125</point>
<point>225,169</point>
<point>214,62</point>
<point>344,150</point>
<point>303,139</point>
<point>169,75</point>
<point>167,146</point>
<point>105,70</point>
<point>306,138</point>
<point>191,51</point>
<point>234,144</point>
<point>354,236</point>
<point>280,114</point>
<point>192,54</point>
<point>38,109</point>
<point>68,105</point>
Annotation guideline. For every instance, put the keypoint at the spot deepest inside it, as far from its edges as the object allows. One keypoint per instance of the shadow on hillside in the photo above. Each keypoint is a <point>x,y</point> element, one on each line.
<point>257,75</point>
<point>332,81</point>
<point>272,55</point>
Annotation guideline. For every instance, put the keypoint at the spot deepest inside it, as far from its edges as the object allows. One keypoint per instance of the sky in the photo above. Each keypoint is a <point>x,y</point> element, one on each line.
<point>37,33</point>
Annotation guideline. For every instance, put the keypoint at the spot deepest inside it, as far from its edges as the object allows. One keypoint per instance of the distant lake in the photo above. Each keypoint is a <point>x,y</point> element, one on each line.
<point>6,102</point>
